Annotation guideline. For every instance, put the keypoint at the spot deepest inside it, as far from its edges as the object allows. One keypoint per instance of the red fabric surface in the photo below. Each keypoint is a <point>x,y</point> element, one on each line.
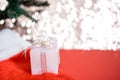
<point>74,65</point>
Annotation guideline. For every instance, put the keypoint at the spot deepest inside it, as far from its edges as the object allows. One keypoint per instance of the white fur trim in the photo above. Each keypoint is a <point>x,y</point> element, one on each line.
<point>11,43</point>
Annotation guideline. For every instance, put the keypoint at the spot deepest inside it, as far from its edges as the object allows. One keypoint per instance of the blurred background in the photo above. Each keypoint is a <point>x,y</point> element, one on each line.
<point>77,24</point>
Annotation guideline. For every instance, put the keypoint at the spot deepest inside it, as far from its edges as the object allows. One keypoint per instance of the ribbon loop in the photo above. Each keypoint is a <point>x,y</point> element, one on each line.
<point>46,42</point>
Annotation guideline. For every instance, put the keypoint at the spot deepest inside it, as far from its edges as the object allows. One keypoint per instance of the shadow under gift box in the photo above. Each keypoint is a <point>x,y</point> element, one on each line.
<point>44,60</point>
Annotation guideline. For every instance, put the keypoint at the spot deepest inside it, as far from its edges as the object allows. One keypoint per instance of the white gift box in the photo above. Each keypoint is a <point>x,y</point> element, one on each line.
<point>44,59</point>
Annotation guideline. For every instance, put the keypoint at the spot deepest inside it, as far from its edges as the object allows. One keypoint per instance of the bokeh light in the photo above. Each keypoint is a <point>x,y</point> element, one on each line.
<point>79,24</point>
